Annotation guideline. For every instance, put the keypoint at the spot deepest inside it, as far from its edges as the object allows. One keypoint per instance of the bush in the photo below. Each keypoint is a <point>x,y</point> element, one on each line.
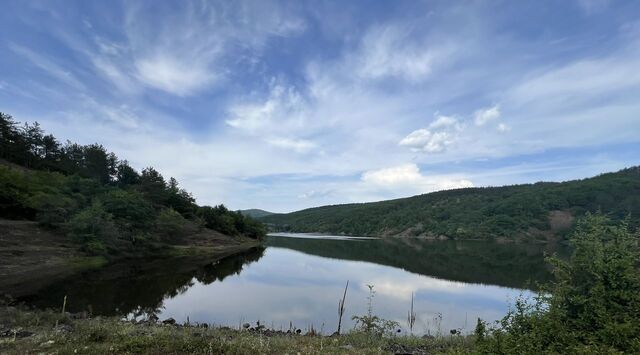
<point>94,228</point>
<point>592,307</point>
<point>171,225</point>
<point>370,323</point>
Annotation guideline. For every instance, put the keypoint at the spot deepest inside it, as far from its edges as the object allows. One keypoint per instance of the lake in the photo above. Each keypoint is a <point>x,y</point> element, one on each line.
<point>297,279</point>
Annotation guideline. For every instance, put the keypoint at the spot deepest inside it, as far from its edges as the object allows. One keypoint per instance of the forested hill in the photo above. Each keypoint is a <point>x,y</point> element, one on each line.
<point>97,199</point>
<point>255,213</point>
<point>543,210</point>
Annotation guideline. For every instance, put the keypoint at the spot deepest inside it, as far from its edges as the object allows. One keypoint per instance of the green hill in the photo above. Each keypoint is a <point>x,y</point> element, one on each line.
<point>99,201</point>
<point>540,211</point>
<point>255,213</point>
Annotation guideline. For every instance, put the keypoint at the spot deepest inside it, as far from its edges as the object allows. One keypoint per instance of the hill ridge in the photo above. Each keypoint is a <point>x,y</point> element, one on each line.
<point>522,211</point>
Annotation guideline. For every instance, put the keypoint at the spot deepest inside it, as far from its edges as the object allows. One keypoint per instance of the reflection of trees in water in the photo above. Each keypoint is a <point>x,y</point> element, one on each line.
<point>504,264</point>
<point>138,287</point>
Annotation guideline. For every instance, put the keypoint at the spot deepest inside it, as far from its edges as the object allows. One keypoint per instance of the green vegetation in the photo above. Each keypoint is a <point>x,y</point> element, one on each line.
<point>370,323</point>
<point>113,336</point>
<point>255,213</point>
<point>98,200</point>
<point>540,211</point>
<point>592,308</point>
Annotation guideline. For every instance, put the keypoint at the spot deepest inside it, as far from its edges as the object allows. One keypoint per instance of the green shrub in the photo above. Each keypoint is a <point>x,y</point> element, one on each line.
<point>93,228</point>
<point>171,225</point>
<point>592,307</point>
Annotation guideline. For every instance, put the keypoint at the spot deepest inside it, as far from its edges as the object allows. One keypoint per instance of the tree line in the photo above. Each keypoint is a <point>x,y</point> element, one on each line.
<point>519,211</point>
<point>99,199</point>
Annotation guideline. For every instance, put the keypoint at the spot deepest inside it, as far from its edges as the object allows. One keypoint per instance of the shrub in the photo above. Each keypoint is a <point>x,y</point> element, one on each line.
<point>593,306</point>
<point>93,227</point>
<point>171,225</point>
<point>372,324</point>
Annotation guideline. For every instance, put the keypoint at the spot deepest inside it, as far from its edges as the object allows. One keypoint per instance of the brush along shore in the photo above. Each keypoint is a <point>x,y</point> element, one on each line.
<point>24,331</point>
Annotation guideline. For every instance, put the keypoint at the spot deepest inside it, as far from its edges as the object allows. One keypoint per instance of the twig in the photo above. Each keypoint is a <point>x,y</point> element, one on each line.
<point>341,307</point>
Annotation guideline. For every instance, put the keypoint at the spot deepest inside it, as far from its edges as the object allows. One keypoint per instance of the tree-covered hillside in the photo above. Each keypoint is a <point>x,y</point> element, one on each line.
<point>97,199</point>
<point>535,211</point>
<point>255,213</point>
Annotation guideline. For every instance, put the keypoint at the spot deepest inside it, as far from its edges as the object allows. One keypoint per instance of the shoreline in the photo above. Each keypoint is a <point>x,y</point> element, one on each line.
<point>36,331</point>
<point>32,258</point>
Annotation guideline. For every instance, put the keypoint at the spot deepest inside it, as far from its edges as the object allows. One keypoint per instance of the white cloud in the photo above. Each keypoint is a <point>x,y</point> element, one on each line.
<point>502,128</point>
<point>298,145</point>
<point>409,176</point>
<point>192,48</point>
<point>429,140</point>
<point>482,116</point>
<point>315,194</point>
<point>179,76</point>
<point>390,51</point>
<point>443,122</point>
<point>283,110</point>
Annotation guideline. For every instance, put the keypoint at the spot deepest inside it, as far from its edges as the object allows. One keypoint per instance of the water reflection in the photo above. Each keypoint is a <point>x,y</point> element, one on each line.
<point>299,280</point>
<point>137,286</point>
<point>505,264</point>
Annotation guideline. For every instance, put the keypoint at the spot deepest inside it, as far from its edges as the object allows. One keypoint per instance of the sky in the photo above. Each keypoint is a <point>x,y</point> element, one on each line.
<point>285,105</point>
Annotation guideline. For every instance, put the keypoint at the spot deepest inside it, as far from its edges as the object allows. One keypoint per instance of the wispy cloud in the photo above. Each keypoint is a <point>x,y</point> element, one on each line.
<point>484,116</point>
<point>53,69</point>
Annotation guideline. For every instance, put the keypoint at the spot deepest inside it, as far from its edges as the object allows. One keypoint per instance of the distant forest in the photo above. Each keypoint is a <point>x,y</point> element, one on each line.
<point>98,199</point>
<point>540,211</point>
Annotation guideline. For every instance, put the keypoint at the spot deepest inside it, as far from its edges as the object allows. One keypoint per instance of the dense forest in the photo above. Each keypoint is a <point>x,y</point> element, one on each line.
<point>99,200</point>
<point>541,211</point>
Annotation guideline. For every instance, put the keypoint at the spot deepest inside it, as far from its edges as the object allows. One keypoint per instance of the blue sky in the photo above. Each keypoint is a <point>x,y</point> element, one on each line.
<point>288,105</point>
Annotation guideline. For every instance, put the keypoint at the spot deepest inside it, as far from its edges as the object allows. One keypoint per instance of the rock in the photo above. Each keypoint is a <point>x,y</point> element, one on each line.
<point>153,318</point>
<point>48,343</point>
<point>169,321</point>
<point>246,325</point>
<point>79,315</point>
<point>64,328</point>
<point>17,333</point>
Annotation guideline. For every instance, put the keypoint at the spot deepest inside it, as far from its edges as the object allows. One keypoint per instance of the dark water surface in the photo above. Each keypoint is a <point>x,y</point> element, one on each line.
<point>299,279</point>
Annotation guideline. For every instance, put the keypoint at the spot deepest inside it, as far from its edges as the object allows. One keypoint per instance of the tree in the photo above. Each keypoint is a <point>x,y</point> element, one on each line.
<point>130,210</point>
<point>126,175</point>
<point>51,153</point>
<point>98,164</point>
<point>180,200</point>
<point>153,186</point>
<point>93,228</point>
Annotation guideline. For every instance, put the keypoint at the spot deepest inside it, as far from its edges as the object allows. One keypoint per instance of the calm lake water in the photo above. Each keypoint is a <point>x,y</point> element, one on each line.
<point>299,278</point>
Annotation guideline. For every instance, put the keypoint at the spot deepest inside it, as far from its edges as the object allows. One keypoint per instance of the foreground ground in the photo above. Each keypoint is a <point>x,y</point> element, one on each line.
<point>47,332</point>
<point>32,257</point>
